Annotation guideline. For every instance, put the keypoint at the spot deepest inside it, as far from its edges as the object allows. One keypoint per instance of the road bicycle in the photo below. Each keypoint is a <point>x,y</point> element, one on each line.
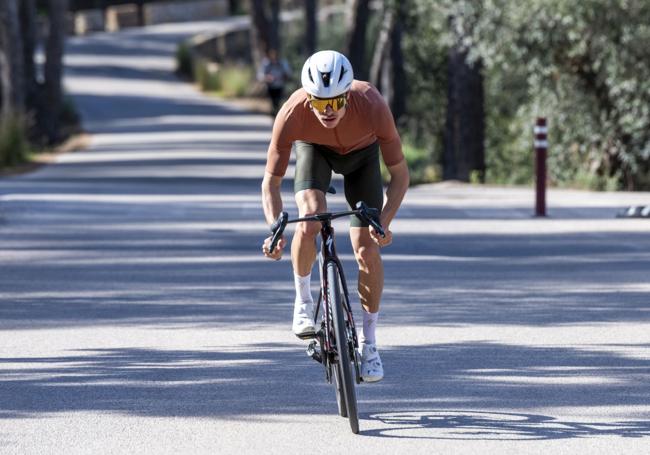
<point>335,345</point>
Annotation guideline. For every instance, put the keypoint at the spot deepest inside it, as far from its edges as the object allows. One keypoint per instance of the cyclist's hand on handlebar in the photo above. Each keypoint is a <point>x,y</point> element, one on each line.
<point>378,239</point>
<point>275,254</point>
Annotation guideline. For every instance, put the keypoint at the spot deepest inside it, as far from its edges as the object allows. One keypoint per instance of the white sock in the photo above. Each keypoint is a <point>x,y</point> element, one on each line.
<point>369,325</point>
<point>303,289</point>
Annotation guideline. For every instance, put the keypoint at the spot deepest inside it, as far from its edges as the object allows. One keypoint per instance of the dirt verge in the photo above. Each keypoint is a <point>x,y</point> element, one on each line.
<point>74,143</point>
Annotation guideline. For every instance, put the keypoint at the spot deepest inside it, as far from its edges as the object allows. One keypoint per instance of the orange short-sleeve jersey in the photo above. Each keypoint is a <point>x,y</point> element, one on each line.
<point>367,120</point>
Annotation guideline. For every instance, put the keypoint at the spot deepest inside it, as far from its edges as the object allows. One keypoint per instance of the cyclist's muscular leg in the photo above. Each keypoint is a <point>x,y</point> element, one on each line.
<point>303,245</point>
<point>371,269</point>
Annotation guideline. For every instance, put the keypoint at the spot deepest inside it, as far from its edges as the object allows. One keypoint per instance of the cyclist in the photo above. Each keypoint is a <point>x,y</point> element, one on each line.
<point>336,123</point>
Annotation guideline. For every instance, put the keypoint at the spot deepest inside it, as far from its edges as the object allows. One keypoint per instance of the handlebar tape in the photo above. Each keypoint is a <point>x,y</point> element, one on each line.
<point>370,215</point>
<point>277,229</point>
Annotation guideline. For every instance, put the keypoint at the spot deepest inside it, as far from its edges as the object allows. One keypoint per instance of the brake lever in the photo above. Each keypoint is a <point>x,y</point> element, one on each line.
<point>277,229</point>
<point>370,215</point>
<point>378,228</point>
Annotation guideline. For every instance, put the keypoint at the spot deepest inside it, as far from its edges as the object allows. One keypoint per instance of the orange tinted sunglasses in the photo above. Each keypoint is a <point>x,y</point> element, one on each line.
<point>320,104</point>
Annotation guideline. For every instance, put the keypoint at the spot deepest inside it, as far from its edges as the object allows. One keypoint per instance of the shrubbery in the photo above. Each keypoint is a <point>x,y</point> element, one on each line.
<point>584,65</point>
<point>228,80</point>
<point>14,147</point>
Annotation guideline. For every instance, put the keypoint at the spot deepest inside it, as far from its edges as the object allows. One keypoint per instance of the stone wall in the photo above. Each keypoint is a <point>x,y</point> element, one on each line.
<point>88,21</point>
<point>163,12</point>
<point>234,46</point>
<point>124,16</point>
<point>121,17</point>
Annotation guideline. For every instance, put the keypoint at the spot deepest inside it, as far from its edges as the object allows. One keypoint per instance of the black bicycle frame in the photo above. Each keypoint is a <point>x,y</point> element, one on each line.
<point>328,253</point>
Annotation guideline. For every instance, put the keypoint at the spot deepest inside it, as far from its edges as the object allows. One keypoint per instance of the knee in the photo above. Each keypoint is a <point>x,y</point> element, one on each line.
<point>367,256</point>
<point>308,229</point>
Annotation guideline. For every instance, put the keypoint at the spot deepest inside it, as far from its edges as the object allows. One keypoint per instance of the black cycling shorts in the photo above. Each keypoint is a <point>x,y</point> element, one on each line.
<point>360,170</point>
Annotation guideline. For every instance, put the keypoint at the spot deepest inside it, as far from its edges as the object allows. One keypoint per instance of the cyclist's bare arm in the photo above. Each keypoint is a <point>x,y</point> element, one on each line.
<point>399,183</point>
<point>271,199</point>
<point>272,204</point>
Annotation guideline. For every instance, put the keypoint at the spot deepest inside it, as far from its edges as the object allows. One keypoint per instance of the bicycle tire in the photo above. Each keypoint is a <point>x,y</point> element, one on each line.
<point>343,366</point>
<point>340,398</point>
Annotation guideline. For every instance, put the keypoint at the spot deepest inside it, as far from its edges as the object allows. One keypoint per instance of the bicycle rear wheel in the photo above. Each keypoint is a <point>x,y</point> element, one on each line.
<point>344,379</point>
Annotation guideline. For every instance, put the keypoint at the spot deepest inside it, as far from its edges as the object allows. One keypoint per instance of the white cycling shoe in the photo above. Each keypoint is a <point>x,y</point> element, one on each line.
<point>303,320</point>
<point>372,369</point>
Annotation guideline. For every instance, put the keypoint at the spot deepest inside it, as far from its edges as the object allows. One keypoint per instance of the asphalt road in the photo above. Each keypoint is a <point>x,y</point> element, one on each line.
<point>138,316</point>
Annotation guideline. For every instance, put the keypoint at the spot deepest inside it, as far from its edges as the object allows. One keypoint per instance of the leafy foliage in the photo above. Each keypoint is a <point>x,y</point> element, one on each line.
<point>229,80</point>
<point>14,148</point>
<point>235,80</point>
<point>184,61</point>
<point>585,65</point>
<point>425,56</point>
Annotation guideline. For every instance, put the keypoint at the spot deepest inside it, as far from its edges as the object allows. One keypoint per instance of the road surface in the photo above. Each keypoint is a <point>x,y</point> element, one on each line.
<point>137,314</point>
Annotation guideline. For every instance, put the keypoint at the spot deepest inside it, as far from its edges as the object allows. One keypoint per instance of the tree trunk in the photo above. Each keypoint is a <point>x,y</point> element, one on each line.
<point>5,68</point>
<point>275,25</point>
<point>53,87</point>
<point>233,7</point>
<point>140,13</point>
<point>381,47</point>
<point>13,55</point>
<point>398,104</point>
<point>356,36</point>
<point>104,9</point>
<point>28,29</point>
<point>265,31</point>
<point>464,149</point>
<point>387,69</point>
<point>311,26</point>
<point>5,84</point>
<point>261,31</point>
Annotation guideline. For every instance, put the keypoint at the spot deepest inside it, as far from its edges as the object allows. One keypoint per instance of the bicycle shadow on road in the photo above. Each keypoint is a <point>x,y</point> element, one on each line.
<point>489,425</point>
<point>493,391</point>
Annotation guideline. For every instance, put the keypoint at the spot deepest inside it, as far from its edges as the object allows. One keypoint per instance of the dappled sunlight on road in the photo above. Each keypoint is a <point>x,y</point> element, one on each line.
<point>134,290</point>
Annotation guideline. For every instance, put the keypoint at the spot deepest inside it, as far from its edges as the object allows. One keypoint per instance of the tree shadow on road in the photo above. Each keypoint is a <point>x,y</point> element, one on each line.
<point>220,382</point>
<point>454,391</point>
<point>202,276</point>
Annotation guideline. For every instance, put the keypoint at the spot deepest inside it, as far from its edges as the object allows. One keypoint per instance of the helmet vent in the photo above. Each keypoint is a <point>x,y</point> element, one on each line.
<point>326,79</point>
<point>342,73</point>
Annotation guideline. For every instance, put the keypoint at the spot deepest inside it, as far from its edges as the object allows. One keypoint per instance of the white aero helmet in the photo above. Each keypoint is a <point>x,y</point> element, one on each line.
<point>327,74</point>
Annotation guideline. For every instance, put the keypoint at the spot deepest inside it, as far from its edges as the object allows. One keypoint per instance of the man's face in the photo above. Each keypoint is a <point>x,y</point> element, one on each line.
<point>329,117</point>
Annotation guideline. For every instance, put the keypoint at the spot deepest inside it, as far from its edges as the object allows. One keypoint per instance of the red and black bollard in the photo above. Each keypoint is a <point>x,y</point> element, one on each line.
<point>541,147</point>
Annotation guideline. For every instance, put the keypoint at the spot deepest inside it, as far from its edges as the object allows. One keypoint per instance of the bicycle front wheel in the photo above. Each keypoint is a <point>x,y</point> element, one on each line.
<point>345,381</point>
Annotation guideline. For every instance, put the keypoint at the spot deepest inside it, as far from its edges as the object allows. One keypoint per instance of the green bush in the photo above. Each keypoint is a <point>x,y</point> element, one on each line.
<point>235,80</point>
<point>184,61</point>
<point>422,167</point>
<point>226,80</point>
<point>205,74</point>
<point>421,164</point>
<point>14,147</point>
<point>585,180</point>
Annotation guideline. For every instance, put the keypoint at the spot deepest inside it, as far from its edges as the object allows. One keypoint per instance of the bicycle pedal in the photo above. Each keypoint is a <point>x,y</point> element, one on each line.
<point>307,336</point>
<point>313,353</point>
